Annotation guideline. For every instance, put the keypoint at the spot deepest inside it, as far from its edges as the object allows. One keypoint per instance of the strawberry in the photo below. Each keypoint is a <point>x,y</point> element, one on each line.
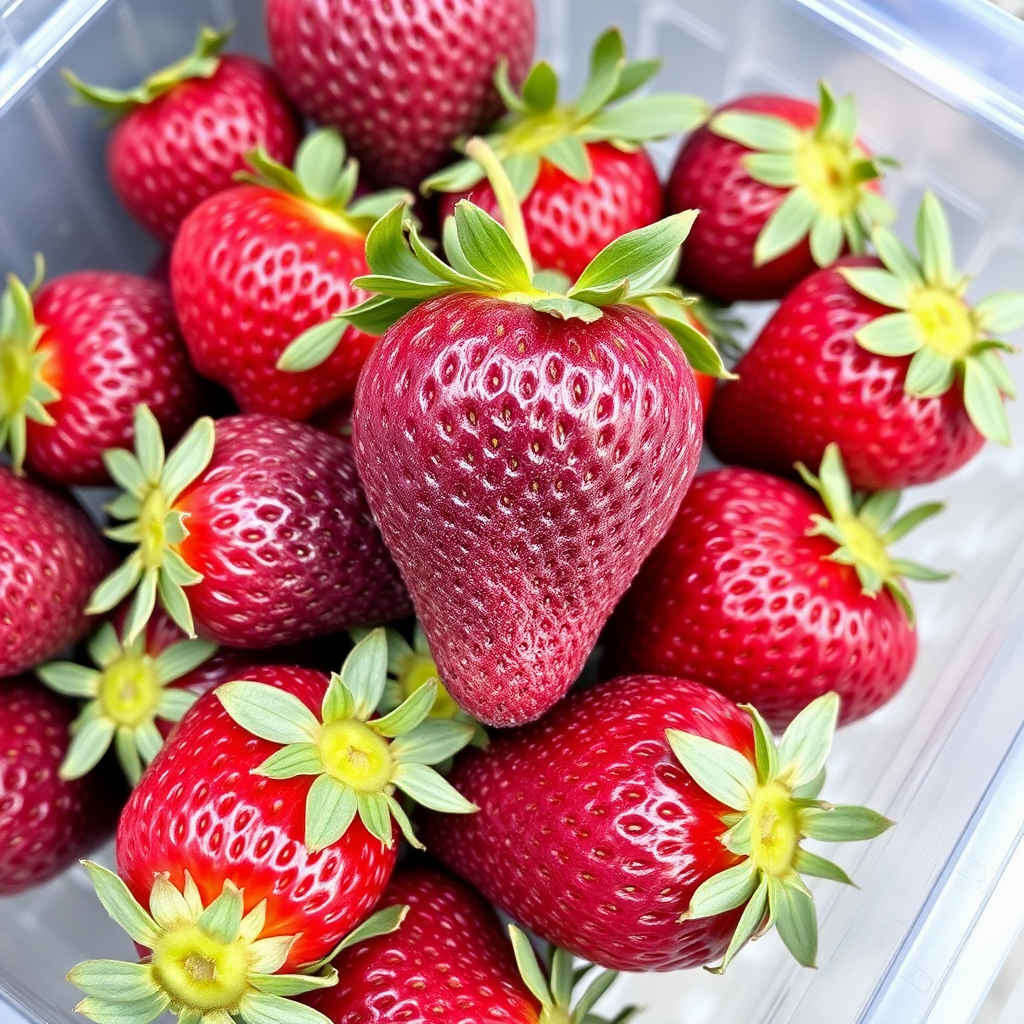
<point>782,185</point>
<point>77,358</point>
<point>46,822</point>
<point>720,328</point>
<point>884,357</point>
<point>450,962</point>
<point>299,838</point>
<point>255,265</point>
<point>186,130</point>
<point>262,519</point>
<point>632,823</point>
<point>796,592</point>
<point>549,437</point>
<point>579,169</point>
<point>51,558</point>
<point>401,81</point>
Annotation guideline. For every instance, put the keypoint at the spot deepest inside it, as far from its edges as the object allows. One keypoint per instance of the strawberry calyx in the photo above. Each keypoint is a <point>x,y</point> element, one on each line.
<point>125,695</point>
<point>949,341</point>
<point>862,527</point>
<point>538,128</point>
<point>358,760</point>
<point>24,390</point>
<point>554,987</point>
<point>209,964</point>
<point>826,174</point>
<point>202,62</point>
<point>775,806</point>
<point>152,484</point>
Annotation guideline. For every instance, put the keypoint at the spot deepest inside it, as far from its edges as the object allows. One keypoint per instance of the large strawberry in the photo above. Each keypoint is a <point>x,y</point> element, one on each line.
<point>884,357</point>
<point>300,839</point>
<point>186,130</point>
<point>782,185</point>
<point>256,265</point>
<point>51,558</point>
<point>449,963</point>
<point>401,81</point>
<point>632,823</point>
<point>579,169</point>
<point>76,359</point>
<point>263,520</point>
<point>774,595</point>
<point>46,822</point>
<point>547,438</point>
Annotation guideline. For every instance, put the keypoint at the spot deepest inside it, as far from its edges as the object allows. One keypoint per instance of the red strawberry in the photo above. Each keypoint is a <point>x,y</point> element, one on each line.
<point>885,358</point>
<point>774,596</point>
<point>579,169</point>
<point>782,185</point>
<point>77,360</point>
<point>186,130</point>
<point>51,558</point>
<point>256,265</point>
<point>46,822</point>
<point>263,520</point>
<point>615,829</point>
<point>401,81</point>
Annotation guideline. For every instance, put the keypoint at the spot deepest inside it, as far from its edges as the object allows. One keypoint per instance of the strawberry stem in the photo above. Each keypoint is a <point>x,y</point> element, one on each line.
<point>511,212</point>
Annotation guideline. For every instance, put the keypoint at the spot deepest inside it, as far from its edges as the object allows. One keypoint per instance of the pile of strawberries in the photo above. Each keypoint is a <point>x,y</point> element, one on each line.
<point>341,404</point>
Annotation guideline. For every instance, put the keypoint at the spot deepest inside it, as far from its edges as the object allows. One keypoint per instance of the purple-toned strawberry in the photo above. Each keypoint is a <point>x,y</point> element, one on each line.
<point>783,186</point>
<point>648,824</point>
<point>886,358</point>
<point>51,559</point>
<point>46,822</point>
<point>184,133</point>
<point>254,532</point>
<point>401,81</point>
<point>78,355</point>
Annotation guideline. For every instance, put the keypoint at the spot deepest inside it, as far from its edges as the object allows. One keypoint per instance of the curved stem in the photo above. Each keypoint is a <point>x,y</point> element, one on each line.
<point>477,149</point>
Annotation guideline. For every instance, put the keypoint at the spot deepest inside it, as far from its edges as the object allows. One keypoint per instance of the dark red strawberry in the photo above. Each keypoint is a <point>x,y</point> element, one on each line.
<point>257,265</point>
<point>632,823</point>
<point>263,520</point>
<point>885,358</point>
<point>46,822</point>
<point>186,130</point>
<point>51,558</point>
<point>783,186</point>
<point>579,169</point>
<point>77,358</point>
<point>775,596</point>
<point>402,81</point>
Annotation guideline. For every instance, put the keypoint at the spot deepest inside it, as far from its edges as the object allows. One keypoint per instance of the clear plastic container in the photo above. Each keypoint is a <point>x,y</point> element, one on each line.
<point>941,87</point>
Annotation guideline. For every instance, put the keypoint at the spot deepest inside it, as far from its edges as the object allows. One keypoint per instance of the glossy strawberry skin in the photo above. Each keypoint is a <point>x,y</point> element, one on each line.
<point>46,823</point>
<point>401,81</point>
<point>806,382</point>
<point>199,809</point>
<point>166,157</point>
<point>739,597</point>
<point>51,559</point>
<point>569,222</point>
<point>708,175</point>
<point>590,832</point>
<point>112,343</point>
<point>251,270</point>
<point>280,529</point>
<point>547,457</point>
<point>450,961</point>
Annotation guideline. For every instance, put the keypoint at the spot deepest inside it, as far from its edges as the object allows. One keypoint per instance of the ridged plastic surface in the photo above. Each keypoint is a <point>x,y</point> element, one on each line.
<point>927,758</point>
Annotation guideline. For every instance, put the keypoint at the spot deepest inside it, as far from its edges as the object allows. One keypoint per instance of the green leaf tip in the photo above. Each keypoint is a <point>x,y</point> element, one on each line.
<point>771,811</point>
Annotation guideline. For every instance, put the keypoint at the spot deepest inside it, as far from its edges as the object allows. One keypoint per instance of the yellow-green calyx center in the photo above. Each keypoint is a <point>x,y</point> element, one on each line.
<point>15,377</point>
<point>153,527</point>
<point>775,834</point>
<point>416,672</point>
<point>129,690</point>
<point>200,972</point>
<point>357,756</point>
<point>944,321</point>
<point>866,546</point>
<point>536,132</point>
<point>826,170</point>
<point>555,1015</point>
